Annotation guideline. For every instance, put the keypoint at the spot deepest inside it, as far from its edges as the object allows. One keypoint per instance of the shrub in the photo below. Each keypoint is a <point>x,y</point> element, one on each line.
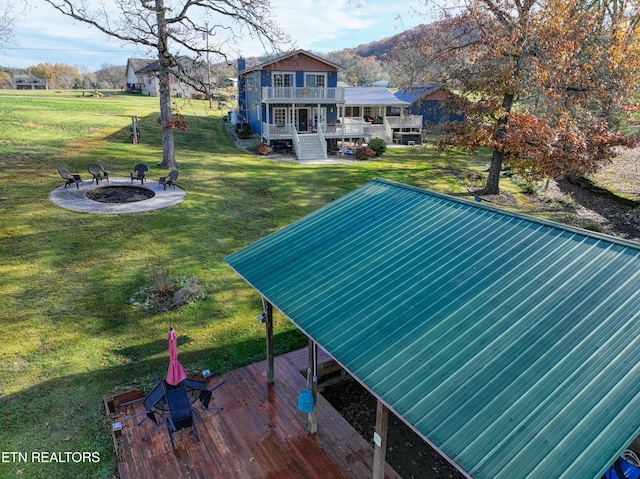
<point>378,145</point>
<point>245,132</point>
<point>365,153</point>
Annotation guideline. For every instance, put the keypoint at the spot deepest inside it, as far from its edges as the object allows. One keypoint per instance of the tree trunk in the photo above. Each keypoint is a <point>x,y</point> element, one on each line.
<point>492,186</point>
<point>164,72</point>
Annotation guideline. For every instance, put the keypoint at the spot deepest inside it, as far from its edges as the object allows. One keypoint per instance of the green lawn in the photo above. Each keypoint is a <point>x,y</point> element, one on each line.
<point>70,333</point>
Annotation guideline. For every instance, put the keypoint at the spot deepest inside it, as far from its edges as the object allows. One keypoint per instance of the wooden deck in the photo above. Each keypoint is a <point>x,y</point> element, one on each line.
<point>259,434</point>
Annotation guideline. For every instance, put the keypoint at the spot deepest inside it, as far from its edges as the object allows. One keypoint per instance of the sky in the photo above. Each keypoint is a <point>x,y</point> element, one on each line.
<point>43,35</point>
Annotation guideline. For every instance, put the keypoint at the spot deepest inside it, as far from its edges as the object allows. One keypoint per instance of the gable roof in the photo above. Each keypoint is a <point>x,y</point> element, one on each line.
<point>149,68</point>
<point>139,63</point>
<point>412,94</point>
<point>287,56</point>
<point>510,343</point>
<point>371,96</point>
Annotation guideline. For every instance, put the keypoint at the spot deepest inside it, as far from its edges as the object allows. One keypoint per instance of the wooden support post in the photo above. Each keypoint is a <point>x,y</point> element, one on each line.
<point>380,441</point>
<point>269,324</point>
<point>312,418</point>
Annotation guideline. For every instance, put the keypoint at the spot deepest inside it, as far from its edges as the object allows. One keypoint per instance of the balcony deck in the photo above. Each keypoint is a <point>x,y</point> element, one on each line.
<point>259,434</point>
<point>303,95</point>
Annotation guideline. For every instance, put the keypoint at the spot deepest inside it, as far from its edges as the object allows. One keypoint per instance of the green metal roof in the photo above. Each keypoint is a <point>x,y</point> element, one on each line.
<point>510,343</point>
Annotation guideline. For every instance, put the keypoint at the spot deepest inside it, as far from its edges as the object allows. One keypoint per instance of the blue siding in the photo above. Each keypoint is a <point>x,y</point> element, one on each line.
<point>431,111</point>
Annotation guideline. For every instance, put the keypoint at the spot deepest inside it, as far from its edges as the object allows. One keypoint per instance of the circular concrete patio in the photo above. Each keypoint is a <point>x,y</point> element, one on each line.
<point>72,198</point>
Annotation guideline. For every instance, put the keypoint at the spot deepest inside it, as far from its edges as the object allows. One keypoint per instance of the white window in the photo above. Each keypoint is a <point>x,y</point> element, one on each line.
<point>315,80</point>
<point>280,116</point>
<point>283,80</point>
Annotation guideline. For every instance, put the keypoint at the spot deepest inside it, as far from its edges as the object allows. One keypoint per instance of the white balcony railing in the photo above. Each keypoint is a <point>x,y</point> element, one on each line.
<point>349,129</point>
<point>302,94</point>
<point>407,121</point>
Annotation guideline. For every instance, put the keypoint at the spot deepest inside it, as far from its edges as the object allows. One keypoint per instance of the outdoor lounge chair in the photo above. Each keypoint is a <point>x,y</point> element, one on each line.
<point>70,178</point>
<point>180,412</point>
<point>139,172</point>
<point>98,172</point>
<point>168,180</point>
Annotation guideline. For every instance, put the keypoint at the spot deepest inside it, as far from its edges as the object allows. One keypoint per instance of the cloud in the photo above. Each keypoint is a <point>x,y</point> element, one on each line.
<point>45,35</point>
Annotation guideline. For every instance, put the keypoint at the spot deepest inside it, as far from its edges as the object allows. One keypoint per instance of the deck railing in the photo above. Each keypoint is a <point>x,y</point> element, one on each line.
<point>348,129</point>
<point>323,141</point>
<point>407,121</point>
<point>296,142</point>
<point>303,94</point>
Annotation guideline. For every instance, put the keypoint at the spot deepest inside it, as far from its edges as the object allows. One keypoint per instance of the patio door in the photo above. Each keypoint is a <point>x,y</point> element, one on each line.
<point>320,119</point>
<point>303,120</point>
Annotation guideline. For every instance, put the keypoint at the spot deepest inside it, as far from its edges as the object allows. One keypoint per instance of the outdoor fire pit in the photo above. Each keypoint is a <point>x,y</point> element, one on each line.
<point>119,194</point>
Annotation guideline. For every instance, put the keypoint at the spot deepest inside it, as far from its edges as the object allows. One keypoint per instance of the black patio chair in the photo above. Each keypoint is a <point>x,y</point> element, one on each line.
<point>151,403</point>
<point>204,394</point>
<point>98,172</point>
<point>180,412</point>
<point>168,180</point>
<point>140,172</point>
<point>69,178</point>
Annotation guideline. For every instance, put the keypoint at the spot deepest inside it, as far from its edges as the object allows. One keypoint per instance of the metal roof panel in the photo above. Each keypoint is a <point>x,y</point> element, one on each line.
<point>509,342</point>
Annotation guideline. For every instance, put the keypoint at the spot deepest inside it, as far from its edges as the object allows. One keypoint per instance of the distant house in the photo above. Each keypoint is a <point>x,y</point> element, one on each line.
<point>133,81</point>
<point>294,99</point>
<point>31,83</point>
<point>386,114</point>
<point>142,77</point>
<point>230,82</point>
<point>429,101</point>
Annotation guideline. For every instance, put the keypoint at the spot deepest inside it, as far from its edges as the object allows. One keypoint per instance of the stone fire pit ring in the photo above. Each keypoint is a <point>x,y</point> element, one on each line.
<point>74,199</point>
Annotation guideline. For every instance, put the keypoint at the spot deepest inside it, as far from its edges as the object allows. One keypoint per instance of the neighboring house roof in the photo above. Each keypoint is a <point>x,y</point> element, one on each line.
<point>138,63</point>
<point>286,56</point>
<point>509,342</point>
<point>149,68</point>
<point>412,94</point>
<point>371,96</point>
<point>30,81</point>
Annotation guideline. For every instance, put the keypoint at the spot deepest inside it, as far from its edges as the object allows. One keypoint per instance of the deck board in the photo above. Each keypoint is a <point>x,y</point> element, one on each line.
<point>259,434</point>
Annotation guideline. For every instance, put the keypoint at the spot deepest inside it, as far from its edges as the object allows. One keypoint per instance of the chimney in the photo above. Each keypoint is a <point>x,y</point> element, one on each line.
<point>242,64</point>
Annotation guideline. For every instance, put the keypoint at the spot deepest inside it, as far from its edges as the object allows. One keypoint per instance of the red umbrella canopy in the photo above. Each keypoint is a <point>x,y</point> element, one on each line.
<point>176,371</point>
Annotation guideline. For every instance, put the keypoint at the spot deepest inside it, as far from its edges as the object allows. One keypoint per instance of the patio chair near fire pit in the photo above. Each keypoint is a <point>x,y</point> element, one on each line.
<point>70,178</point>
<point>98,172</point>
<point>168,180</point>
<point>140,172</point>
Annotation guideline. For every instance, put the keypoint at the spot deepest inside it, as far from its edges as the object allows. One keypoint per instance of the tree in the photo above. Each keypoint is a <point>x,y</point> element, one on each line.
<point>175,30</point>
<point>6,23</point>
<point>6,81</point>
<point>364,71</point>
<point>111,76</point>
<point>58,75</point>
<point>409,59</point>
<point>544,77</point>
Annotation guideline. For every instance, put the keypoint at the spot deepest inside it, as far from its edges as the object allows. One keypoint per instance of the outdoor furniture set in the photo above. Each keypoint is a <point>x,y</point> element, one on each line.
<point>173,405</point>
<point>98,173</point>
<point>174,398</point>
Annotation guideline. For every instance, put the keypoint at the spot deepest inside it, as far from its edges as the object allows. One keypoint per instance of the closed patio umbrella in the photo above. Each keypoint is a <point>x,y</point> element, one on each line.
<point>176,371</point>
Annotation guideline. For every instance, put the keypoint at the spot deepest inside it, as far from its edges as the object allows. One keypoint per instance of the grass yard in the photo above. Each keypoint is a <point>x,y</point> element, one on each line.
<point>70,332</point>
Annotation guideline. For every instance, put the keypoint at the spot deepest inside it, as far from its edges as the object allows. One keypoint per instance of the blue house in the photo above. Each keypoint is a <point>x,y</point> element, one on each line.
<point>295,99</point>
<point>429,101</point>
